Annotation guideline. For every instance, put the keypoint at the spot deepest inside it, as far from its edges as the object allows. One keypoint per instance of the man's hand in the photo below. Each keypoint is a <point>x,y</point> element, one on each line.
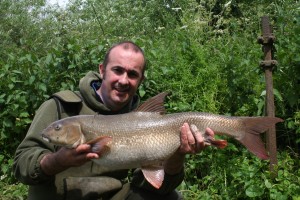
<point>65,158</point>
<point>192,142</point>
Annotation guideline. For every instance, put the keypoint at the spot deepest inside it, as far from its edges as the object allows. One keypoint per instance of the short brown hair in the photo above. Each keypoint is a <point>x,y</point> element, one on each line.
<point>126,45</point>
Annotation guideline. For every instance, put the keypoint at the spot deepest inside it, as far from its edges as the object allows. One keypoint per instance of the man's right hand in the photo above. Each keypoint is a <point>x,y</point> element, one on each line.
<point>65,158</point>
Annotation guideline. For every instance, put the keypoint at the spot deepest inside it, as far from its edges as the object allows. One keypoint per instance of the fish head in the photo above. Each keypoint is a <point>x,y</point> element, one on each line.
<point>64,132</point>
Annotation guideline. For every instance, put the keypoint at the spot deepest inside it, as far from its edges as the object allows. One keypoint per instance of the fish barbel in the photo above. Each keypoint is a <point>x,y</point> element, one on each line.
<point>147,137</point>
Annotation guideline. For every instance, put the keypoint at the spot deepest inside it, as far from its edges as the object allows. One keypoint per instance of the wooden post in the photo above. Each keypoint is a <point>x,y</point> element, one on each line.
<point>267,39</point>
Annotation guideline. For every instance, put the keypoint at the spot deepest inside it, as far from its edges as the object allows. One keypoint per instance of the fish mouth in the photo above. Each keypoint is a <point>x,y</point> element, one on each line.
<point>45,138</point>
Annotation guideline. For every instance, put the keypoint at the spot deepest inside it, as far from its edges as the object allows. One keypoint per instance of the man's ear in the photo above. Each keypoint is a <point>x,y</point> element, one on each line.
<point>101,70</point>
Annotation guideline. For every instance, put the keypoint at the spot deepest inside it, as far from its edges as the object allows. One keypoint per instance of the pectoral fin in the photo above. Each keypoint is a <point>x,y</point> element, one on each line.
<point>217,143</point>
<point>101,145</point>
<point>208,139</point>
<point>154,175</point>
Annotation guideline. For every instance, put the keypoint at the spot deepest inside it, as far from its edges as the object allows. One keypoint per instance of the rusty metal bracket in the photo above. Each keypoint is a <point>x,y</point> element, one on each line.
<point>268,64</point>
<point>267,39</point>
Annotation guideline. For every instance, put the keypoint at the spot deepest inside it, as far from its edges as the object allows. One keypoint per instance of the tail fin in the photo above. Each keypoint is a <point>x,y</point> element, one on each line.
<point>253,127</point>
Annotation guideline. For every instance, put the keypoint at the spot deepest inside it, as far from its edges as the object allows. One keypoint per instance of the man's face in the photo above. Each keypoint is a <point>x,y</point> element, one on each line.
<point>121,77</point>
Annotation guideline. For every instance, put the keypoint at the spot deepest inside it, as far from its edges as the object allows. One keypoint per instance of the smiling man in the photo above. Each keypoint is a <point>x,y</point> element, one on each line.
<point>54,172</point>
<point>122,74</point>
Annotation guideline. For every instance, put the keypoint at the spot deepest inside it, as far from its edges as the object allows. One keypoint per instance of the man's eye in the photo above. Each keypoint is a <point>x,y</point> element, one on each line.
<point>133,75</point>
<point>118,70</point>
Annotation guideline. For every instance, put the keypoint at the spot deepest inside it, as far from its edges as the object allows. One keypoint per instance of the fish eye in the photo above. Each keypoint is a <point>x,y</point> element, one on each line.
<point>57,127</point>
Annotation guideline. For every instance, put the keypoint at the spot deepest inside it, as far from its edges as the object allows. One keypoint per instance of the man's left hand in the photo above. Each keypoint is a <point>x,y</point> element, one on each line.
<point>192,140</point>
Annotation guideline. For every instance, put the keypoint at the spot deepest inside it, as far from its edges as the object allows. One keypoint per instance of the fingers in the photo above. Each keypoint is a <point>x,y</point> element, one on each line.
<point>91,156</point>
<point>209,131</point>
<point>184,139</point>
<point>84,151</point>
<point>77,156</point>
<point>192,140</point>
<point>198,137</point>
<point>83,148</point>
<point>190,135</point>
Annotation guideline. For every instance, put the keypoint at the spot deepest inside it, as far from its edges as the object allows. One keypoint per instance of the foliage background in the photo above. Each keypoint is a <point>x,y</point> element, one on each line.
<point>204,52</point>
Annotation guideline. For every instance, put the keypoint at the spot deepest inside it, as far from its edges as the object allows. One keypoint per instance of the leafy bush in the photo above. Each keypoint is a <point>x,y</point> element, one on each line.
<point>214,175</point>
<point>203,52</point>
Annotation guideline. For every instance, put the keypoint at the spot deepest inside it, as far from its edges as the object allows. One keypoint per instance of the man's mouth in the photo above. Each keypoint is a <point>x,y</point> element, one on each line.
<point>122,89</point>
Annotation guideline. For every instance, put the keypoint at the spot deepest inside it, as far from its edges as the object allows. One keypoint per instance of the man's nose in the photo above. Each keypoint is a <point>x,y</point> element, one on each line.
<point>124,79</point>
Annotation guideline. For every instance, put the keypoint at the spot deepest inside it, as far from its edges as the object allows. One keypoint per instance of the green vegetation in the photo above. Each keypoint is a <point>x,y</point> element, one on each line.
<point>204,52</point>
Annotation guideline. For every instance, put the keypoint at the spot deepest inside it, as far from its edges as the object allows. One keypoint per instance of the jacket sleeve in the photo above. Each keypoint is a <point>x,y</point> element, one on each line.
<point>170,183</point>
<point>29,153</point>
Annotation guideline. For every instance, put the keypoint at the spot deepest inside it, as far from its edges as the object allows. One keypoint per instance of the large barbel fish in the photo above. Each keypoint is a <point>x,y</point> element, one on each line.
<point>147,137</point>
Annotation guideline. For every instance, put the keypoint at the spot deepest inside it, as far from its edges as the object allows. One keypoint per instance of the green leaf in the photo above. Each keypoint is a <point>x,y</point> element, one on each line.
<point>268,184</point>
<point>42,87</point>
<point>71,66</point>
<point>70,46</point>
<point>254,191</point>
<point>260,106</point>
<point>48,58</point>
<point>277,95</point>
<point>142,92</point>
<point>24,114</point>
<point>31,79</point>
<point>16,71</point>
<point>2,96</point>
<point>263,93</point>
<point>29,57</point>
<point>7,122</point>
<point>100,47</point>
<point>77,57</point>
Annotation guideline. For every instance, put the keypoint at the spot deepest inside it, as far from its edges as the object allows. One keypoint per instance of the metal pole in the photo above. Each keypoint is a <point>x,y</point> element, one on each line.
<point>267,40</point>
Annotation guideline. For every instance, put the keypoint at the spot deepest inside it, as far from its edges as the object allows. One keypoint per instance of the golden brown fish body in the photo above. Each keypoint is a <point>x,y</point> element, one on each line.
<point>146,139</point>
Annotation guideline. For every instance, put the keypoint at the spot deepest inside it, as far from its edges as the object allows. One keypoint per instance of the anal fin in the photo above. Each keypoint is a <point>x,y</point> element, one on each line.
<point>154,175</point>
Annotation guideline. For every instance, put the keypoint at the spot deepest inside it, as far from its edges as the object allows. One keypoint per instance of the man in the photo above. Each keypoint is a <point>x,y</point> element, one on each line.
<point>47,168</point>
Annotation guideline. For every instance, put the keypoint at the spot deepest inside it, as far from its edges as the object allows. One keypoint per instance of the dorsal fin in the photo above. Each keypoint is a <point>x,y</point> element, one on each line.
<point>154,104</point>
